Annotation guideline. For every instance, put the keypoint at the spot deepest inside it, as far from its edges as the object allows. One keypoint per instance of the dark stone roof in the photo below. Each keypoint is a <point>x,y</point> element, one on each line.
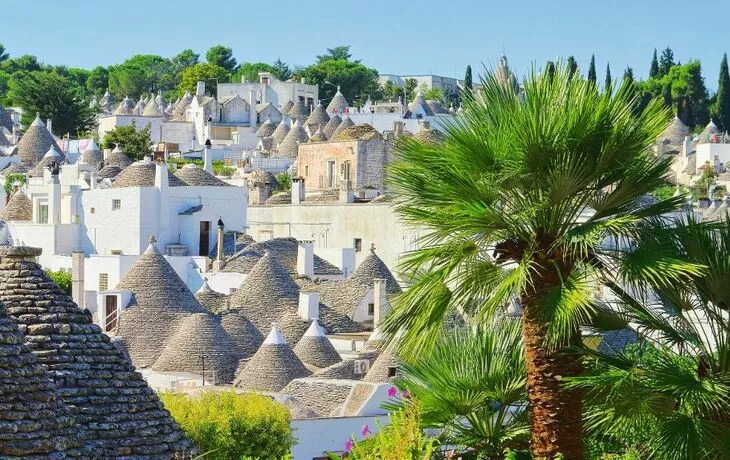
<point>19,207</point>
<point>34,144</point>
<point>248,338</point>
<point>331,126</point>
<point>14,168</point>
<point>114,409</point>
<point>289,147</point>
<point>373,267</point>
<point>108,172</point>
<point>280,133</point>
<point>194,175</point>
<point>314,348</point>
<point>318,118</point>
<point>287,107</point>
<point>210,299</point>
<point>5,120</point>
<point>279,198</point>
<point>298,111</point>
<point>233,242</point>
<point>379,371</point>
<point>266,129</point>
<point>346,368</point>
<point>199,337</point>
<point>261,177</point>
<point>33,421</point>
<point>142,174</point>
<point>338,104</point>
<point>117,158</point>
<point>285,250</point>
<point>346,123</point>
<point>321,395</point>
<point>159,299</point>
<point>355,132</point>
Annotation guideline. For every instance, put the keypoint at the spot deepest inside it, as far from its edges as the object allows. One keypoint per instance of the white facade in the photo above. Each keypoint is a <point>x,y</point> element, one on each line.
<point>713,153</point>
<point>270,90</point>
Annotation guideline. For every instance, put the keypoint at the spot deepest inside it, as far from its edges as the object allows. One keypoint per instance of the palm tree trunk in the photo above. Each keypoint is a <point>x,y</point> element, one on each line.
<point>556,414</point>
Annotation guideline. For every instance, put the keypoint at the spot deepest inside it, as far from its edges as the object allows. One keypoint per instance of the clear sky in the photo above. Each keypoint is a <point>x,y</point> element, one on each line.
<point>401,37</point>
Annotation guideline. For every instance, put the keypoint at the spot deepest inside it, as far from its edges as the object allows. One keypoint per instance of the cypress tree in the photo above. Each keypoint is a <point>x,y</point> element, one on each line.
<point>666,62</point>
<point>629,75</point>
<point>609,82</point>
<point>550,69</point>
<point>592,70</point>
<point>723,95</point>
<point>572,66</point>
<point>468,86</point>
<point>654,69</point>
<point>667,93</point>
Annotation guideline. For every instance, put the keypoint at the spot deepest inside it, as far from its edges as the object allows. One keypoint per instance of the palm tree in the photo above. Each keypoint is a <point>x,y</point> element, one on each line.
<point>517,201</point>
<point>673,395</point>
<point>471,387</point>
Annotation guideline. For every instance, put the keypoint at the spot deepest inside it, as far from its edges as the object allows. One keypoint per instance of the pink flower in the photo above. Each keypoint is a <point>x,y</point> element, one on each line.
<point>348,446</point>
<point>405,394</point>
<point>366,430</point>
<point>392,391</point>
<point>450,453</point>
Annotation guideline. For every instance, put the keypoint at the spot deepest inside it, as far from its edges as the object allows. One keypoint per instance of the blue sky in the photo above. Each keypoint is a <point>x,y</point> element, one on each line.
<point>402,37</point>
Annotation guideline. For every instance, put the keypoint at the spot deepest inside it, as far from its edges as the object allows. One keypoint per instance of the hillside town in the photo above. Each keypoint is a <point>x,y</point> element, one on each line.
<point>508,265</point>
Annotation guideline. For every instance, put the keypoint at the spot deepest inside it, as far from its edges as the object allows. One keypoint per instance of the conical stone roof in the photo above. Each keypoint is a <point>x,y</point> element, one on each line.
<point>292,326</point>
<point>35,143</point>
<point>298,111</point>
<point>51,156</point>
<point>179,112</point>
<point>280,133</point>
<point>381,370</point>
<point>92,154</point>
<point>674,134</point>
<point>287,107</point>
<point>34,422</point>
<point>331,126</point>
<point>159,299</point>
<point>272,367</point>
<point>428,135</point>
<point>246,335</point>
<point>18,208</point>
<point>124,108</point>
<point>194,175</point>
<point>199,341</point>
<point>266,129</point>
<point>373,267</point>
<point>315,349</point>
<point>210,299</point>
<point>346,123</point>
<point>114,409</point>
<point>266,293</point>
<point>338,104</point>
<point>142,174</point>
<point>710,130</point>
<point>108,172</point>
<point>5,120</point>
<point>317,118</point>
<point>118,158</point>
<point>318,136</point>
<point>139,108</point>
<point>289,147</point>
<point>420,100</point>
<point>152,109</point>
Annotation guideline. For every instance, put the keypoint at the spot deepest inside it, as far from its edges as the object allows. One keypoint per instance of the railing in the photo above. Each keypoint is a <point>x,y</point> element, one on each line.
<point>111,322</point>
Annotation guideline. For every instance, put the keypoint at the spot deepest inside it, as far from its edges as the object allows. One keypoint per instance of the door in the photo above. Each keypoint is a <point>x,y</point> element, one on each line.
<point>112,311</point>
<point>330,174</point>
<point>204,238</point>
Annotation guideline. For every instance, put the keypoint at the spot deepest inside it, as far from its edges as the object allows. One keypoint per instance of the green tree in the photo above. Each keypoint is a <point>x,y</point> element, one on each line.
<point>629,75</point>
<point>51,96</point>
<point>141,74</point>
<point>338,53</point>
<point>355,80</point>
<point>472,388</point>
<point>518,201</point>
<point>666,62</point>
<point>654,68</point>
<point>222,56</point>
<point>609,81</point>
<point>62,278</point>
<point>468,84</point>
<point>592,70</point>
<point>281,70</point>
<point>98,80</point>
<point>411,84</point>
<point>135,143</point>
<point>250,71</point>
<point>209,73</point>
<point>671,394</point>
<point>4,55</point>
<point>184,59</point>
<point>722,103</point>
<point>26,62</point>
<point>572,66</point>
<point>688,92</point>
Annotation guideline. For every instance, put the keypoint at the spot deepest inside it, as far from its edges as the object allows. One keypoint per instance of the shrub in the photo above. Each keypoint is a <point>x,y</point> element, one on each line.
<point>10,180</point>
<point>62,278</point>
<point>284,180</point>
<point>229,426</point>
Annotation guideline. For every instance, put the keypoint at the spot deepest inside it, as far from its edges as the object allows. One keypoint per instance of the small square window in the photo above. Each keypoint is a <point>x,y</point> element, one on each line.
<point>116,204</point>
<point>103,281</point>
<point>357,243</point>
<point>371,309</point>
<point>391,371</point>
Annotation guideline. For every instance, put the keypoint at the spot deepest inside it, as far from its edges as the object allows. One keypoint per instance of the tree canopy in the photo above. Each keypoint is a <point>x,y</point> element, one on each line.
<point>354,79</point>
<point>209,73</point>
<point>222,56</point>
<point>721,109</point>
<point>136,144</point>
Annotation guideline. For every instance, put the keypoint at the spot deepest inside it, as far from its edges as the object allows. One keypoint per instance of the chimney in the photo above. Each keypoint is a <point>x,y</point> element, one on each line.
<point>308,305</point>
<point>77,278</point>
<point>49,125</point>
<point>380,301</point>
<point>305,258</point>
<point>161,179</point>
<point>200,89</point>
<point>252,108</point>
<point>54,200</point>
<point>92,180</point>
<point>398,128</point>
<point>221,227</point>
<point>302,81</point>
<point>686,145</point>
<point>207,158</point>
<point>346,193</point>
<point>297,190</point>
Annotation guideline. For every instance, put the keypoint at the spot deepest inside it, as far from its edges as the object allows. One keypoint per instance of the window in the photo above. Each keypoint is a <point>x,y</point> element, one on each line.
<point>43,213</point>
<point>357,244</point>
<point>306,170</point>
<point>116,204</point>
<point>93,210</point>
<point>116,252</point>
<point>391,371</point>
<point>103,281</point>
<point>371,309</point>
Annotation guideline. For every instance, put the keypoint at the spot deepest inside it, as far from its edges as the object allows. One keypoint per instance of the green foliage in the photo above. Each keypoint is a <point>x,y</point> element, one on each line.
<point>228,426</point>
<point>62,278</point>
<point>629,75</point>
<point>687,89</point>
<point>281,70</point>
<point>222,56</point>
<point>140,74</point>
<point>666,62</point>
<point>284,180</point>
<point>654,68</point>
<point>701,186</point>
<point>52,96</point>
<point>592,70</point>
<point>183,60</point>
<point>136,144</point>
<point>432,94</point>
<point>26,62</point>
<point>401,439</point>
<point>10,179</point>
<point>4,55</point>
<point>250,70</point>
<point>468,84</point>
<point>220,169</point>
<point>355,80</point>
<point>609,81</point>
<point>572,66</point>
<point>471,388</point>
<point>98,80</point>
<point>209,73</point>
<point>338,53</point>
<point>721,109</point>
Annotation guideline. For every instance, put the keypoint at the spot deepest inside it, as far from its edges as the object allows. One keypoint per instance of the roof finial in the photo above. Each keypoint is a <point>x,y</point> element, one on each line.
<point>152,239</point>
<point>372,248</point>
